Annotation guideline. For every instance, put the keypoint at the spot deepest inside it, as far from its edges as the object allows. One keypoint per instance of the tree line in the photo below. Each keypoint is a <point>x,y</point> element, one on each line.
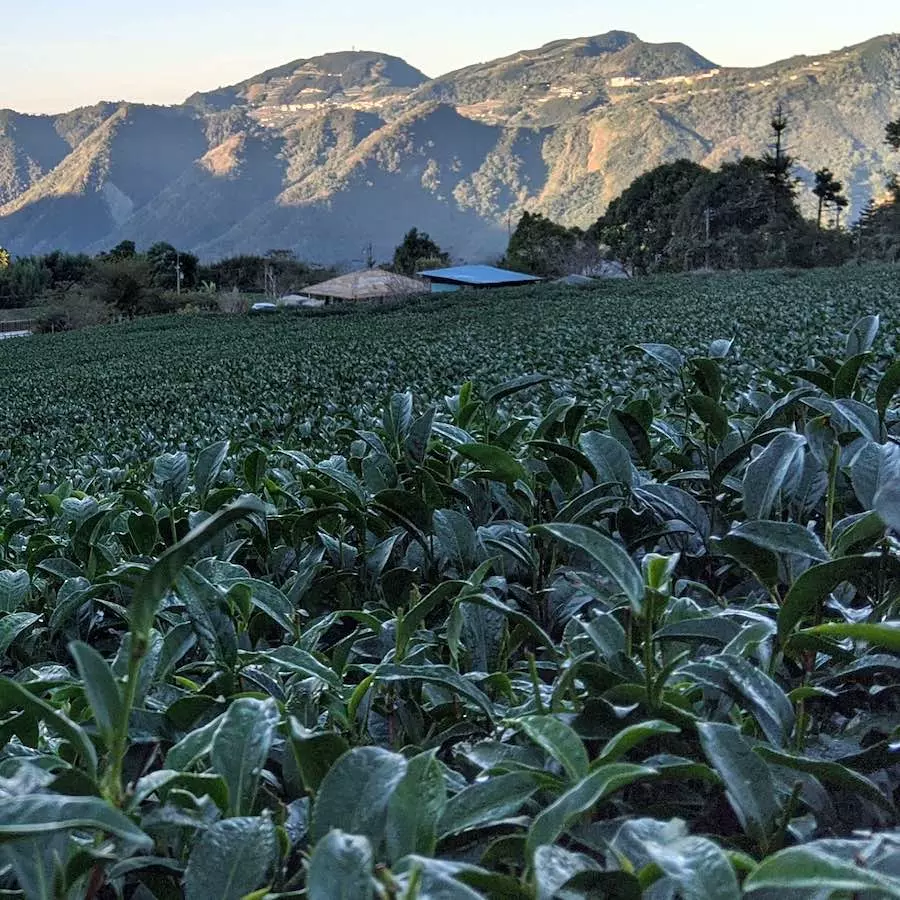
<point>77,289</point>
<point>682,216</point>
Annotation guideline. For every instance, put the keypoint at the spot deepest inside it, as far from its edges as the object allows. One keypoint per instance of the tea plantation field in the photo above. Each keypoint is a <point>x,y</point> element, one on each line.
<point>541,594</point>
<point>117,396</point>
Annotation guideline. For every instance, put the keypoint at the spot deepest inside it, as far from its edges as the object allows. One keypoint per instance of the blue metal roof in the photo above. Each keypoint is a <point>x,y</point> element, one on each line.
<point>479,275</point>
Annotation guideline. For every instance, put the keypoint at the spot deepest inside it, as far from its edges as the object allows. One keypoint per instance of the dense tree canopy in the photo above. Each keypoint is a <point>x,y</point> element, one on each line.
<point>21,281</point>
<point>129,281</point>
<point>123,283</point>
<point>829,192</point>
<point>123,250</point>
<point>247,273</point>
<point>877,232</point>
<point>680,216</point>
<point>68,269</point>
<point>417,252</point>
<point>736,217</point>
<point>893,134</point>
<point>172,269</point>
<point>542,247</point>
<point>638,226</point>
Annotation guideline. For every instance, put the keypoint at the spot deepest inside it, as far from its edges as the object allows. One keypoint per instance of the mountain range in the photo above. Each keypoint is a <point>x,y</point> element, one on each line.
<point>330,155</point>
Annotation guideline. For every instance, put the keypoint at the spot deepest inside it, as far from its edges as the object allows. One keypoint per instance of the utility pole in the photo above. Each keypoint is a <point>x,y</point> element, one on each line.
<point>177,272</point>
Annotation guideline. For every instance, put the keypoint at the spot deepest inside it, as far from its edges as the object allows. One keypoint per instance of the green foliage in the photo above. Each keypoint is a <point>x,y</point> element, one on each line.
<point>877,233</point>
<point>22,281</point>
<point>123,250</point>
<point>77,291</point>
<point>242,273</point>
<point>777,163</point>
<point>124,284</point>
<point>639,225</point>
<point>497,642</point>
<point>829,192</point>
<point>892,134</point>
<point>736,218</point>
<point>171,269</point>
<point>681,216</point>
<point>541,247</point>
<point>417,252</point>
<point>247,273</point>
<point>68,269</point>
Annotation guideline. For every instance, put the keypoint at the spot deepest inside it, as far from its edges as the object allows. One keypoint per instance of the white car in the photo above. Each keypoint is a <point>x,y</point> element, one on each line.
<point>263,308</point>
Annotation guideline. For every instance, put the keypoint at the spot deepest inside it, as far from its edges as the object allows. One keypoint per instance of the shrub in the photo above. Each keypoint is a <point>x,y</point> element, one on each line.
<point>170,301</point>
<point>123,283</point>
<point>79,308</point>
<point>232,302</point>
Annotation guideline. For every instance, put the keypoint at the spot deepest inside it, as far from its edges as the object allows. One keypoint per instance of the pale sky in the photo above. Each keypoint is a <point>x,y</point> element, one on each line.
<point>59,54</point>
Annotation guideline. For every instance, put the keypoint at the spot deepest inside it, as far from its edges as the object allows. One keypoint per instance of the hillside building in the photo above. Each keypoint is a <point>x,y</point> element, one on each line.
<point>369,284</point>
<point>459,277</point>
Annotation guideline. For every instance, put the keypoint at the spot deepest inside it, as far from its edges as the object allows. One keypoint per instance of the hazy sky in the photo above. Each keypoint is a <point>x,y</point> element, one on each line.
<point>58,54</point>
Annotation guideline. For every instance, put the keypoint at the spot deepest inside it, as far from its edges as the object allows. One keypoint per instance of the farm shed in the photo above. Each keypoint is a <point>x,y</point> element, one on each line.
<point>369,284</point>
<point>474,277</point>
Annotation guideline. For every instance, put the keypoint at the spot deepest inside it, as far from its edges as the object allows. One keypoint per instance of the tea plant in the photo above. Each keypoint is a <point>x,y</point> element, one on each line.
<point>94,406</point>
<point>643,644</point>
